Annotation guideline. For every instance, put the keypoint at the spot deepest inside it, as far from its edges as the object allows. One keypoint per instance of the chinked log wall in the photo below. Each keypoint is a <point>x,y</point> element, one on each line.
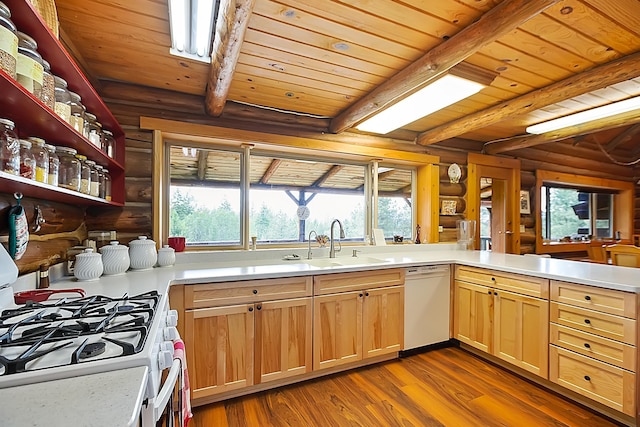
<point>66,225</point>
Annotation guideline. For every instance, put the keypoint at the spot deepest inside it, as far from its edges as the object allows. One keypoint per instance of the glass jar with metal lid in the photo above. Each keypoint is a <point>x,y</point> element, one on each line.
<point>94,183</point>
<point>27,161</point>
<point>109,143</point>
<point>8,42</point>
<point>63,99</point>
<point>85,174</point>
<point>54,165</point>
<point>94,130</point>
<point>77,112</point>
<point>101,189</point>
<point>29,68</point>
<point>69,173</point>
<point>9,148</point>
<point>48,87</point>
<point>41,157</point>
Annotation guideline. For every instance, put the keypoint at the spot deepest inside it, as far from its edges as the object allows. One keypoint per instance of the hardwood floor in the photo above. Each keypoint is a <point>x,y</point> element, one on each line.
<point>446,387</point>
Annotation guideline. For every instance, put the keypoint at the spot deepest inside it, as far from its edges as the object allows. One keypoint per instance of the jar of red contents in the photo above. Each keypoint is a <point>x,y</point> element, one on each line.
<point>27,161</point>
<point>9,148</point>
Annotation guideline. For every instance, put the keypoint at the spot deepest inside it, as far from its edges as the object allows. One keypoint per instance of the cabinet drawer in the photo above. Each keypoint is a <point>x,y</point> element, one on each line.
<point>594,322</point>
<point>606,350</point>
<point>518,283</point>
<point>230,293</point>
<point>609,301</point>
<point>609,385</point>
<point>345,282</point>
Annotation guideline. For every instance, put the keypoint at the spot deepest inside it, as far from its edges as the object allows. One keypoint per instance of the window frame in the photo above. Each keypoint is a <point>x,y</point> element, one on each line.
<point>623,206</point>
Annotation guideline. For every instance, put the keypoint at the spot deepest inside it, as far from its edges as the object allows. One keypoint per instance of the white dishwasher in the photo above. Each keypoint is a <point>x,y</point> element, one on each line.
<point>426,305</point>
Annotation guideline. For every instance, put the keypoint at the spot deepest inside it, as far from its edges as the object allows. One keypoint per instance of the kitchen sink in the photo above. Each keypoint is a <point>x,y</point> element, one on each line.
<point>339,262</point>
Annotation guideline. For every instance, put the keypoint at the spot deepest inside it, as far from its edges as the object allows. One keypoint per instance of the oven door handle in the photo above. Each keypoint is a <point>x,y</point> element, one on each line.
<point>166,392</point>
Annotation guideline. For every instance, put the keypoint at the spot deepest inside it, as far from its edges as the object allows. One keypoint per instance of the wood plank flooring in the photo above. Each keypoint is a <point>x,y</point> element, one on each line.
<point>446,387</point>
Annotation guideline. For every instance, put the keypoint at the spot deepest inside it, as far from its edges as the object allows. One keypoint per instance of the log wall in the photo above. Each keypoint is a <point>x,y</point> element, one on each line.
<point>67,225</point>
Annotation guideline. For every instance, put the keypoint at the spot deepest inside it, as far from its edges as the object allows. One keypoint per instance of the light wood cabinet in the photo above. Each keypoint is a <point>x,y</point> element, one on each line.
<point>219,347</point>
<point>357,324</point>
<point>491,316</point>
<point>593,343</point>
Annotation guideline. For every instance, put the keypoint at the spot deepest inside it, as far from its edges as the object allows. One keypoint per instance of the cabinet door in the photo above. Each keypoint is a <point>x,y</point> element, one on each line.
<point>473,313</point>
<point>283,339</point>
<point>521,327</point>
<point>383,321</point>
<point>219,346</point>
<point>337,329</point>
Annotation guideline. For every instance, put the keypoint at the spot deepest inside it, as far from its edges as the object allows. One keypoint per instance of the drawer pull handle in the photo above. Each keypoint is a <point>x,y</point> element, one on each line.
<point>587,297</point>
<point>250,308</point>
<point>366,294</point>
<point>587,321</point>
<point>587,345</point>
<point>587,377</point>
<point>489,292</point>
<point>255,291</point>
<point>259,307</point>
<point>493,278</point>
<point>360,295</point>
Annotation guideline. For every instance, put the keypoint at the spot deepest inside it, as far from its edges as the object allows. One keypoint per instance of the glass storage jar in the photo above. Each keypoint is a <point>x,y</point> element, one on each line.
<point>48,87</point>
<point>63,99</point>
<point>109,143</point>
<point>94,183</point>
<point>9,148</point>
<point>29,68</point>
<point>77,112</point>
<point>8,42</point>
<point>94,130</point>
<point>107,185</point>
<point>54,165</point>
<point>85,174</point>
<point>100,171</point>
<point>41,157</point>
<point>27,161</point>
<point>69,173</point>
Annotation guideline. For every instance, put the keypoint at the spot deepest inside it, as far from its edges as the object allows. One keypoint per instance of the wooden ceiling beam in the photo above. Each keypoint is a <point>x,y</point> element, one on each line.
<point>327,175</point>
<point>595,78</point>
<point>500,20</point>
<point>273,167</point>
<point>203,155</point>
<point>622,138</point>
<point>231,25</point>
<point>515,143</point>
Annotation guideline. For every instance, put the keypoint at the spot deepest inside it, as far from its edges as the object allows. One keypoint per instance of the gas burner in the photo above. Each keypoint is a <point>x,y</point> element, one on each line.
<point>92,350</point>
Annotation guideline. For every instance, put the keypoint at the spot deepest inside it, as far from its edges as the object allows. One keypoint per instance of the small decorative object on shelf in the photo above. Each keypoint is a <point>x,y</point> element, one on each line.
<point>449,207</point>
<point>454,173</point>
<point>418,234</point>
<point>322,240</point>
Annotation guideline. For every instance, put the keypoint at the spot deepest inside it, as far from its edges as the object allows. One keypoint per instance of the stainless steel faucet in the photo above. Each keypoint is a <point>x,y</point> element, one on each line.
<point>332,249</point>
<point>309,254</point>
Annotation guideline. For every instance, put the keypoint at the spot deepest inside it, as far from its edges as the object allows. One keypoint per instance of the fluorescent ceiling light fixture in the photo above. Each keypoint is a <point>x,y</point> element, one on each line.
<point>192,23</point>
<point>443,92</point>
<point>602,112</point>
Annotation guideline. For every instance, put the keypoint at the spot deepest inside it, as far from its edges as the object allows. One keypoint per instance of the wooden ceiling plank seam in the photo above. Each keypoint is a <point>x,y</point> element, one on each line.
<point>277,79</point>
<point>312,52</point>
<point>323,24</point>
<point>507,70</point>
<point>326,43</point>
<point>107,13</point>
<point>596,25</point>
<point>275,88</point>
<point>505,17</point>
<point>372,24</point>
<point>278,69</point>
<point>619,11</point>
<point>89,31</point>
<point>158,10</point>
<point>613,122</point>
<point>460,17</point>
<point>623,137</point>
<point>296,104</point>
<point>288,58</point>
<point>559,34</point>
<point>231,25</point>
<point>597,77</point>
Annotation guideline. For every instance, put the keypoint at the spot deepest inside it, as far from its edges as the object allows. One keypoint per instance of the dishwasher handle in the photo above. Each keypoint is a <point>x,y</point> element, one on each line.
<point>427,270</point>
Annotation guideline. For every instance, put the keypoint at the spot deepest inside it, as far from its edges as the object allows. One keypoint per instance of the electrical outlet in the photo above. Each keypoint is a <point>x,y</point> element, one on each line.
<point>440,229</point>
<point>522,229</point>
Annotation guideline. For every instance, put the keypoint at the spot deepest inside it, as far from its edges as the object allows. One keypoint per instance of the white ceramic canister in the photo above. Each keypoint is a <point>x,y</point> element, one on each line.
<point>115,258</point>
<point>88,265</point>
<point>142,253</point>
<point>166,256</point>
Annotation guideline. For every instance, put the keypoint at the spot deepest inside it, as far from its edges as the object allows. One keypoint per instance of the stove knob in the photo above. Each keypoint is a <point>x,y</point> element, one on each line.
<point>165,359</point>
<point>170,333</point>
<point>172,318</point>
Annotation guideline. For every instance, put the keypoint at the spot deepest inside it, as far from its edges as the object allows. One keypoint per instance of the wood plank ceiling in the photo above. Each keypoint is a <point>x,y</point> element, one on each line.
<point>326,58</point>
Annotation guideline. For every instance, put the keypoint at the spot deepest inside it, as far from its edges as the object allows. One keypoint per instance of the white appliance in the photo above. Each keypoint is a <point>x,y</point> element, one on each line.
<point>426,305</point>
<point>56,339</point>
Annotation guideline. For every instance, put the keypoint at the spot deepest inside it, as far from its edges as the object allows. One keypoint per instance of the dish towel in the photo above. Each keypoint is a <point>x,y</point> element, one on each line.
<point>185,389</point>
